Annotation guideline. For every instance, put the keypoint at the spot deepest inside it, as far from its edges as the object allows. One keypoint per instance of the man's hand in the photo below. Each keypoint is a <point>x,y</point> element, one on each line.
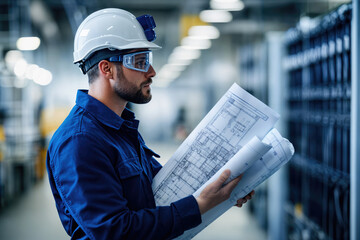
<point>243,200</point>
<point>215,193</point>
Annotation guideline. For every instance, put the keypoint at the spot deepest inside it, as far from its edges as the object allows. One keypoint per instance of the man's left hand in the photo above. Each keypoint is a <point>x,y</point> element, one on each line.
<point>243,200</point>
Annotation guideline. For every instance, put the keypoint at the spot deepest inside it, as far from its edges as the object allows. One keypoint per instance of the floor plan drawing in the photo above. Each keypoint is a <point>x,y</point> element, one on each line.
<point>279,154</point>
<point>233,121</point>
<point>262,168</point>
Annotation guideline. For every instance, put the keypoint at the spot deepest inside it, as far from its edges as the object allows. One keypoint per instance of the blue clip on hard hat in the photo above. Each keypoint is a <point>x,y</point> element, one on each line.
<point>148,24</point>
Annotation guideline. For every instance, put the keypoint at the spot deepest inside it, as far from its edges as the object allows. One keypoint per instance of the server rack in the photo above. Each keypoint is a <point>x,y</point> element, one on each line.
<point>319,103</point>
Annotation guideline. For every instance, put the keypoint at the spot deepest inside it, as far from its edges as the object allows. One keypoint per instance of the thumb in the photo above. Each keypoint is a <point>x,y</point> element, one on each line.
<point>233,183</point>
<point>222,179</point>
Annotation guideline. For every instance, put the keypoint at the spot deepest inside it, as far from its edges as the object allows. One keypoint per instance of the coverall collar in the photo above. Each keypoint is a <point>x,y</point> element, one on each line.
<point>104,114</point>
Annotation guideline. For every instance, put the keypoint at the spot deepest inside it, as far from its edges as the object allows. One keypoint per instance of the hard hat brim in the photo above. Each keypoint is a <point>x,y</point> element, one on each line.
<point>134,45</point>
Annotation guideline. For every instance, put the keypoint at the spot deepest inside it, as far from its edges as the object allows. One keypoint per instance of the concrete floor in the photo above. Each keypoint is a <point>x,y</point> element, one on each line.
<point>33,217</point>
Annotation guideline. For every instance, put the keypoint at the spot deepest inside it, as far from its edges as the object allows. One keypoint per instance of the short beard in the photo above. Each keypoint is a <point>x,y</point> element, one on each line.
<point>128,94</point>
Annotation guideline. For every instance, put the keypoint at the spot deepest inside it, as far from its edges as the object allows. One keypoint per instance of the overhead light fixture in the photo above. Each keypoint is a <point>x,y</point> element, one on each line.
<point>215,16</point>
<point>42,77</point>
<point>28,43</point>
<point>204,32</point>
<point>12,57</point>
<point>20,68</point>
<point>179,61</point>
<point>175,67</point>
<point>195,43</point>
<point>183,53</point>
<point>229,5</point>
<point>168,74</point>
<point>31,71</point>
<point>187,53</point>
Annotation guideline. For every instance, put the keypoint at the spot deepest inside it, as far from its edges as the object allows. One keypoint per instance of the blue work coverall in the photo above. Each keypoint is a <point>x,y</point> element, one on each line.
<point>100,173</point>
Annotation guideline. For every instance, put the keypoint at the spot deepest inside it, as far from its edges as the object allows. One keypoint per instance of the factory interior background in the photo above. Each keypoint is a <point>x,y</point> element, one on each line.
<point>300,57</point>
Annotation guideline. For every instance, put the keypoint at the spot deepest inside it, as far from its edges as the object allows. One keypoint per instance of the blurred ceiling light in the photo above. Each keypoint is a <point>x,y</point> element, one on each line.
<point>182,53</point>
<point>215,16</point>
<point>31,70</point>
<point>180,62</point>
<point>166,74</point>
<point>40,15</point>
<point>204,32</point>
<point>175,67</point>
<point>38,12</point>
<point>229,5</point>
<point>12,57</point>
<point>28,43</point>
<point>186,53</point>
<point>50,29</point>
<point>20,68</point>
<point>42,77</point>
<point>195,43</point>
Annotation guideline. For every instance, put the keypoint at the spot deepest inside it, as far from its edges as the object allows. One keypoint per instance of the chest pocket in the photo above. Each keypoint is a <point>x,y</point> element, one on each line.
<point>128,168</point>
<point>135,185</point>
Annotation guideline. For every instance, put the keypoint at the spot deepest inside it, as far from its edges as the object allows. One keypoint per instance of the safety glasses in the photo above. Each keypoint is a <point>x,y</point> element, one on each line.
<point>139,61</point>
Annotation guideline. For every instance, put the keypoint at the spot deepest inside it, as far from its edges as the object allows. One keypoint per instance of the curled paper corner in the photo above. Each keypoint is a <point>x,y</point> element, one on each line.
<point>290,145</point>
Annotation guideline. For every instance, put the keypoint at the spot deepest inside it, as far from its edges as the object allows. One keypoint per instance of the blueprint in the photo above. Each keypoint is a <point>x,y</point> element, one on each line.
<point>240,162</point>
<point>280,153</point>
<point>232,122</point>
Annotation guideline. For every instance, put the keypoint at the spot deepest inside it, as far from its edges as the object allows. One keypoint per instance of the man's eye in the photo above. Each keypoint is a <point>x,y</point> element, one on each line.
<point>140,64</point>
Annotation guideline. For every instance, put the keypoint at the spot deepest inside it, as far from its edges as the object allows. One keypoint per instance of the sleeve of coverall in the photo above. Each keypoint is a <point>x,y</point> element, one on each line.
<point>88,185</point>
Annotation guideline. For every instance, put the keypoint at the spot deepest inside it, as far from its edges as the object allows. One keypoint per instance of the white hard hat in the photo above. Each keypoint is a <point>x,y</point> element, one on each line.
<point>113,29</point>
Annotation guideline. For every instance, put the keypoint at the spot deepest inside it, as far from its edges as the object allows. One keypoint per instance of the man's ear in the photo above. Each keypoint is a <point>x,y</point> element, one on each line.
<point>106,69</point>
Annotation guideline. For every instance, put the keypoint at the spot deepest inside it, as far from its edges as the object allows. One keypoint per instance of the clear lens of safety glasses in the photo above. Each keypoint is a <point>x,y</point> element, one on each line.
<point>139,61</point>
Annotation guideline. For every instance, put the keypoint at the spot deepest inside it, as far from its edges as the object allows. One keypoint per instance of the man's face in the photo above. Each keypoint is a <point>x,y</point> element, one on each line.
<point>133,86</point>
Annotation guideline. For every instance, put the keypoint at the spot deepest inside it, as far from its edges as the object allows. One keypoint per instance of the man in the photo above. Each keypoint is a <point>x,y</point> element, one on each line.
<point>99,167</point>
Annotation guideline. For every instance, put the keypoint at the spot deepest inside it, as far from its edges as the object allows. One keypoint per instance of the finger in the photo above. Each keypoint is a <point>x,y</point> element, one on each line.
<point>239,205</point>
<point>223,177</point>
<point>250,195</point>
<point>229,187</point>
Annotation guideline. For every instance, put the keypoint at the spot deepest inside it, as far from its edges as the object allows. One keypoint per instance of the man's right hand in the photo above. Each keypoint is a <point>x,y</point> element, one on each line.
<point>215,193</point>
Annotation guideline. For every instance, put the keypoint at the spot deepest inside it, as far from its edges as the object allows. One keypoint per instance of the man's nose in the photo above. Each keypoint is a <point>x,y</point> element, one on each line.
<point>151,72</point>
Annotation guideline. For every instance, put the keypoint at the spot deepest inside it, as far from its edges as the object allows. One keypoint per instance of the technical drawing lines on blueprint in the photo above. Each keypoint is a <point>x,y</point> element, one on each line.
<point>274,159</point>
<point>211,149</point>
<point>230,124</point>
<point>203,159</point>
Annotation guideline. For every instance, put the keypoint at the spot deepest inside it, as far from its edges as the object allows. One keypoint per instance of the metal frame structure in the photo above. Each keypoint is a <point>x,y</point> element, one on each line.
<point>277,187</point>
<point>355,126</point>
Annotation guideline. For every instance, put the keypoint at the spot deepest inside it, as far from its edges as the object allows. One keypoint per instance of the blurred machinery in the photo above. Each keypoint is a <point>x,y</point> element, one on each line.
<point>21,144</point>
<point>314,81</point>
<point>319,78</point>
